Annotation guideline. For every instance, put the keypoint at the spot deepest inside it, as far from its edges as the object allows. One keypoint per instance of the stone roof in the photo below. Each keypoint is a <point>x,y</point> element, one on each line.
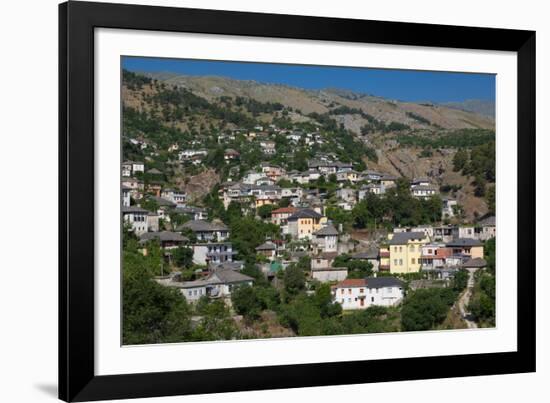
<point>228,276</point>
<point>163,236</point>
<point>371,254</point>
<point>461,242</point>
<point>326,231</point>
<point>305,213</point>
<point>475,263</point>
<point>267,246</point>
<point>381,282</point>
<point>491,220</point>
<point>401,238</point>
<point>162,202</point>
<point>204,226</point>
<point>326,255</point>
<point>133,209</point>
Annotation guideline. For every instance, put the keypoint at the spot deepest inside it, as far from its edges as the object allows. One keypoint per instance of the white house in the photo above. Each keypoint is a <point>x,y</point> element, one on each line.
<point>264,180</point>
<point>267,249</point>
<point>207,231</point>
<point>129,168</point>
<point>346,194</point>
<point>326,239</point>
<point>219,284</point>
<point>428,230</point>
<point>251,177</point>
<point>420,182</point>
<point>374,188</point>
<point>175,196</point>
<point>196,213</point>
<point>447,211</point>
<point>136,217</point>
<point>216,253</point>
<point>423,191</point>
<point>268,147</point>
<point>370,291</point>
<point>126,196</point>
<point>190,154</point>
<point>488,228</point>
<point>370,176</point>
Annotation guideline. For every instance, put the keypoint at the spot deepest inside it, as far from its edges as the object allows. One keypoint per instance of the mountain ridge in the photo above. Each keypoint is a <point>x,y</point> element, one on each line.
<point>308,101</point>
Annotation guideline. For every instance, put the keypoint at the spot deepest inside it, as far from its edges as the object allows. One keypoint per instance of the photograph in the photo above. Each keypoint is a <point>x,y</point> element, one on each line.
<point>265,200</point>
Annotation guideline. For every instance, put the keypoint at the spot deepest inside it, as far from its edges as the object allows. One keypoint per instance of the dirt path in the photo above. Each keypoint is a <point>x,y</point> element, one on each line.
<point>463,301</point>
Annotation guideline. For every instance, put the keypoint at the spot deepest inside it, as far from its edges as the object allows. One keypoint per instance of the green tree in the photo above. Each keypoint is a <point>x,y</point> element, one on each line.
<point>182,256</point>
<point>359,269</point>
<point>264,211</point>
<point>490,197</point>
<point>426,308</point>
<point>151,313</point>
<point>479,184</point>
<point>323,299</point>
<point>460,160</point>
<point>460,281</point>
<point>150,204</point>
<point>246,302</point>
<point>294,279</point>
<point>216,323</point>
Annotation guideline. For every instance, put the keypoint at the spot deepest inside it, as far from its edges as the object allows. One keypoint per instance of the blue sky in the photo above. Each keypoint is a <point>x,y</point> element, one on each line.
<point>406,85</point>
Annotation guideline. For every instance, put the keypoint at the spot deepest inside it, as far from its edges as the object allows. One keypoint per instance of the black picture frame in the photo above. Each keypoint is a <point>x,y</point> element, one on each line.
<point>77,21</point>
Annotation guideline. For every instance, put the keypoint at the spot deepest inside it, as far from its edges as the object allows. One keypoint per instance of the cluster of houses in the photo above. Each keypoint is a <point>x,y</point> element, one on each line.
<point>260,187</point>
<point>304,228</point>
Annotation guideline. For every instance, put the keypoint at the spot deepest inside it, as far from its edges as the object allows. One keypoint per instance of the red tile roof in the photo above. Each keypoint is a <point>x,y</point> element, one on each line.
<point>352,282</point>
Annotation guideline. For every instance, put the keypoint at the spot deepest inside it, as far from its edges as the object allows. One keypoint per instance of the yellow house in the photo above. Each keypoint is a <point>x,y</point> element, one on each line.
<point>467,246</point>
<point>405,251</point>
<point>304,222</point>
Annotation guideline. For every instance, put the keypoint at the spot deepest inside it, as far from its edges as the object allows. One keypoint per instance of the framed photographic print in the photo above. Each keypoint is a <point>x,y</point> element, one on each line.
<point>256,201</point>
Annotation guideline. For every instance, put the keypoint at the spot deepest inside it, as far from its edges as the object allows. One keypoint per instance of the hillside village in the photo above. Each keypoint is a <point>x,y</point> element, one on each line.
<point>256,227</point>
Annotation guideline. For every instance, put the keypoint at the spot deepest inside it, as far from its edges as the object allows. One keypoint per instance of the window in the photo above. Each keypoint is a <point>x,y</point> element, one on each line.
<point>361,290</point>
<point>400,262</point>
<point>388,290</point>
<point>371,299</point>
<point>400,249</point>
<point>413,260</point>
<point>395,262</point>
<point>349,290</point>
<point>343,291</point>
<point>190,293</point>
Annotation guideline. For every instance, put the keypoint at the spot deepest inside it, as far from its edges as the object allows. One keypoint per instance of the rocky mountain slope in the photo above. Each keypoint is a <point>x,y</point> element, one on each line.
<point>322,101</point>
